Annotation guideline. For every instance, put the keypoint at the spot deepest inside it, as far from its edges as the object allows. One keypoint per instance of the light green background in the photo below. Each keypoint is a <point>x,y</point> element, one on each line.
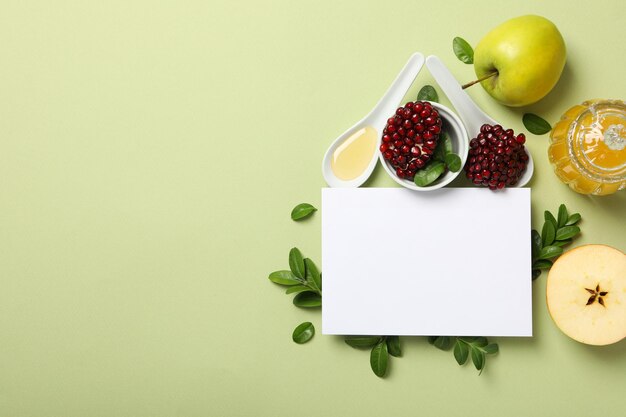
<point>150,154</point>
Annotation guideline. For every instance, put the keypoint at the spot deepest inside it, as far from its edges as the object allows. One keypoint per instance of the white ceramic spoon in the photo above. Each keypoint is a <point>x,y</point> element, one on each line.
<point>377,119</point>
<point>473,117</point>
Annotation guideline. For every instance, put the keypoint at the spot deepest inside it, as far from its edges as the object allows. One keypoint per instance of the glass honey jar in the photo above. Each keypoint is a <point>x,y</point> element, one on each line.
<point>588,147</point>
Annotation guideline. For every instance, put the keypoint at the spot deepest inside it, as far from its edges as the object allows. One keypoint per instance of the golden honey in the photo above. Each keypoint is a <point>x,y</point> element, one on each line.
<point>354,155</point>
<point>588,147</point>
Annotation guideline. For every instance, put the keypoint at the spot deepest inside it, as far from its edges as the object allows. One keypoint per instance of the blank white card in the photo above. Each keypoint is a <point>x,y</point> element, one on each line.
<point>455,261</point>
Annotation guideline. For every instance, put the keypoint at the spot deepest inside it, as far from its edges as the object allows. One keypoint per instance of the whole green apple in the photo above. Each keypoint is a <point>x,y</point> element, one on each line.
<point>526,56</point>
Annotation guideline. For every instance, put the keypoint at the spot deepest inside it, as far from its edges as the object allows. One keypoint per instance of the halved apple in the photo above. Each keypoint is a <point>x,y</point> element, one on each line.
<point>586,294</point>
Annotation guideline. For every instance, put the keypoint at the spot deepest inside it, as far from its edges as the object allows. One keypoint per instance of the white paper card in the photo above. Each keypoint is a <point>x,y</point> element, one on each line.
<point>455,261</point>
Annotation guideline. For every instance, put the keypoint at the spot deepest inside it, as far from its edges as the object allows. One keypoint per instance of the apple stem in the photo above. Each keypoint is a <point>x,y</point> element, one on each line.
<point>483,78</point>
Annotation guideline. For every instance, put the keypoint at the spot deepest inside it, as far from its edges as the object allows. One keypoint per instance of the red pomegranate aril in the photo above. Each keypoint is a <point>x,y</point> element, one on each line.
<point>497,157</point>
<point>410,137</point>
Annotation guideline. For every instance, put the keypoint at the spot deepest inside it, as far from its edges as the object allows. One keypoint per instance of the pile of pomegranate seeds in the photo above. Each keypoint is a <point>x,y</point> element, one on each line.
<point>410,137</point>
<point>497,158</point>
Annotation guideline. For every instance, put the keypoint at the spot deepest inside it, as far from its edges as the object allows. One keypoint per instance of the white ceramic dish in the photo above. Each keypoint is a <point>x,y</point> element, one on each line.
<point>453,126</point>
<point>377,119</point>
<point>473,117</point>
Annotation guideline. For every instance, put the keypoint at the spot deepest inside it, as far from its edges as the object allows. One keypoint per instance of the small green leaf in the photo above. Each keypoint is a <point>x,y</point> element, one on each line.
<point>303,333</point>
<point>296,263</point>
<point>573,219</point>
<point>563,216</point>
<point>542,264</point>
<point>535,274</point>
<point>463,51</point>
<point>429,174</point>
<point>491,348</point>
<point>393,346</point>
<point>442,147</point>
<point>302,211</point>
<point>362,341</point>
<point>307,299</point>
<point>284,278</point>
<point>480,341</point>
<point>379,358</point>
<point>478,358</point>
<point>535,124</point>
<point>547,233</point>
<point>549,217</point>
<point>561,243</point>
<point>443,342</point>
<point>296,289</point>
<point>461,351</point>
<point>536,243</point>
<point>428,93</point>
<point>453,162</point>
<point>567,232</point>
<point>549,252</point>
<point>313,276</point>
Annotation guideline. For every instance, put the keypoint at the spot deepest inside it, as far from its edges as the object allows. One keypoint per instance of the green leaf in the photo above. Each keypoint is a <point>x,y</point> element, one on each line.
<point>535,274</point>
<point>549,217</point>
<point>453,162</point>
<point>296,263</point>
<point>480,341</point>
<point>313,276</point>
<point>542,264</point>
<point>443,145</point>
<point>535,124</point>
<point>284,278</point>
<point>548,233</point>
<point>442,342</point>
<point>393,346</point>
<point>303,333</point>
<point>478,358</point>
<point>461,351</point>
<point>463,50</point>
<point>536,243</point>
<point>302,211</point>
<point>428,93</point>
<point>549,252</point>
<point>362,341</point>
<point>563,216</point>
<point>429,174</point>
<point>491,349</point>
<point>562,243</point>
<point>573,219</point>
<point>297,288</point>
<point>379,358</point>
<point>567,232</point>
<point>307,299</point>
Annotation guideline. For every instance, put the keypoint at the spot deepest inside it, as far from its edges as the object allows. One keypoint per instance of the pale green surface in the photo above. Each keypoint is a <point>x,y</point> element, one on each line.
<point>150,155</point>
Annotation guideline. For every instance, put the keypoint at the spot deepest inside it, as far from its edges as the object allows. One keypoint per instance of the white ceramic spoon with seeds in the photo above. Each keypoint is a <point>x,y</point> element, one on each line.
<point>471,115</point>
<point>376,119</point>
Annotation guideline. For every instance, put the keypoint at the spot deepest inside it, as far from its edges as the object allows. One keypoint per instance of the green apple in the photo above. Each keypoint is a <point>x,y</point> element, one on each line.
<point>526,56</point>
